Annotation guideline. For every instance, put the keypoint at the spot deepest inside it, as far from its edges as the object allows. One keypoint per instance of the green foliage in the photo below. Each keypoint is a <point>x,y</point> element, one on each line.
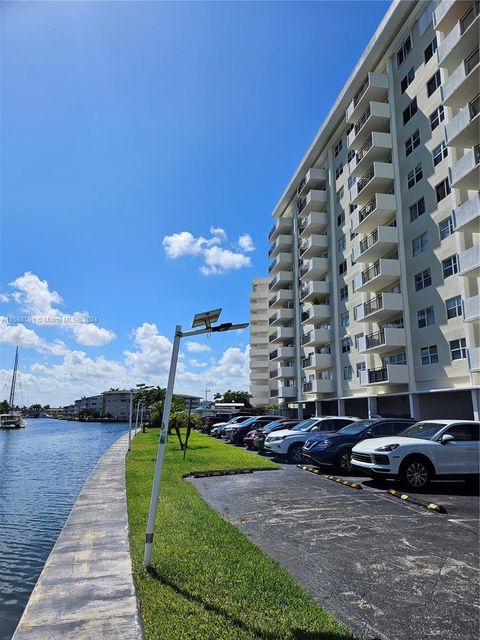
<point>88,414</point>
<point>4,406</point>
<point>234,396</point>
<point>179,419</point>
<point>273,405</point>
<point>154,403</point>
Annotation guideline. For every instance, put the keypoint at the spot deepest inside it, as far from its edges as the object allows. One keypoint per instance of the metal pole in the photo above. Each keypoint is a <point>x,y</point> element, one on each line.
<point>130,422</point>
<point>136,417</point>
<point>147,558</point>
<point>141,415</point>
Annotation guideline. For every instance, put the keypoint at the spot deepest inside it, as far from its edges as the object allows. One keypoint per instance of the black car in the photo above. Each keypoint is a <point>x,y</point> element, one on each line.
<point>236,433</point>
<point>334,450</point>
<point>262,433</point>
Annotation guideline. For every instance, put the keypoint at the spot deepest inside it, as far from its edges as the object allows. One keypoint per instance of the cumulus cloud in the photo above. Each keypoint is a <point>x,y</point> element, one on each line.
<point>219,260</point>
<point>4,297</point>
<point>197,363</point>
<point>18,335</point>
<point>197,347</point>
<point>245,242</point>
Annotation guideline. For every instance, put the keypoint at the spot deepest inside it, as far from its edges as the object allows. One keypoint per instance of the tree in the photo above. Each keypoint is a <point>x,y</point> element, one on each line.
<point>4,406</point>
<point>85,415</point>
<point>235,396</point>
<point>155,409</point>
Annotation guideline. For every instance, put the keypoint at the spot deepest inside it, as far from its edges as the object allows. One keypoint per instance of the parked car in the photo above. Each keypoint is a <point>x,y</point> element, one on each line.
<point>236,433</point>
<point>441,449</point>
<point>261,434</point>
<point>288,443</point>
<point>211,421</point>
<point>217,429</point>
<point>335,450</point>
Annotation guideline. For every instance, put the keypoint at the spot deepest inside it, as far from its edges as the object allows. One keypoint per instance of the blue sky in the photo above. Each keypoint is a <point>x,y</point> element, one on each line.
<point>125,124</point>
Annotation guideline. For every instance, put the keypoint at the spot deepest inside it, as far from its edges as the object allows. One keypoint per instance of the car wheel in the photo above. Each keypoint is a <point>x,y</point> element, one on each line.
<point>295,453</point>
<point>344,462</point>
<point>415,473</point>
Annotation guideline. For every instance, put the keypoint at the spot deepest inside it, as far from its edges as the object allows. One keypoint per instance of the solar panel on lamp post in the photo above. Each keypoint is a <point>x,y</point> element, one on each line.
<point>205,320</point>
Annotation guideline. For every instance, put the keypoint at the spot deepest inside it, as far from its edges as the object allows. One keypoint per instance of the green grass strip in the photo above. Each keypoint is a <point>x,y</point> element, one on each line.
<point>209,581</point>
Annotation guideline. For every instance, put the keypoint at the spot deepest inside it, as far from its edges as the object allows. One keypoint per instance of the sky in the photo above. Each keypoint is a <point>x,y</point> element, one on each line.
<point>143,148</point>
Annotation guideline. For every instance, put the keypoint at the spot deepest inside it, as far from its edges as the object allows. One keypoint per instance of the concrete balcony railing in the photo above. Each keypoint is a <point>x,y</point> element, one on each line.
<point>446,14</point>
<point>471,309</point>
<point>376,117</point>
<point>390,374</point>
<point>319,385</point>
<point>280,298</point>
<point>465,173</point>
<point>282,261</point>
<point>474,359</point>
<point>380,275</point>
<point>380,242</point>
<point>282,353</point>
<point>282,243</point>
<point>387,339</point>
<point>378,146</point>
<point>317,314</point>
<point>380,308</point>
<point>466,217</point>
<point>463,130</point>
<point>378,179</point>
<point>287,392</point>
<point>282,334</point>
<point>378,210</point>
<point>259,376</point>
<point>462,85</point>
<point>259,352</point>
<point>314,246</point>
<point>283,280</point>
<point>469,261</point>
<point>373,88</point>
<point>461,38</point>
<point>315,200</point>
<point>313,179</point>
<point>314,223</point>
<point>316,337</point>
<point>281,316</point>
<point>318,361</point>
<point>314,268</point>
<point>312,290</point>
<point>282,226</point>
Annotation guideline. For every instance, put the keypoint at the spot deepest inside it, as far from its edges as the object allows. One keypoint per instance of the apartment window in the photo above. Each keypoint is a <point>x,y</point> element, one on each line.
<point>338,147</point>
<point>339,170</point>
<point>342,267</point>
<point>454,307</point>
<point>449,266</point>
<point>347,372</point>
<point>439,153</point>
<point>344,319</point>
<point>425,317</point>
<point>360,367</point>
<point>430,50</point>
<point>344,292</point>
<point>412,142</point>
<point>341,242</point>
<point>346,345</point>
<point>445,227</point>
<point>436,117</point>
<point>351,155</point>
<point>407,80</point>
<point>420,244</point>
<point>340,193</point>
<point>340,219</point>
<point>410,111</point>
<point>351,181</point>
<point>414,176</point>
<point>404,50</point>
<point>349,128</point>
<point>423,280</point>
<point>357,339</point>
<point>433,83</point>
<point>458,349</point>
<point>429,355</point>
<point>417,209</point>
<point>442,190</point>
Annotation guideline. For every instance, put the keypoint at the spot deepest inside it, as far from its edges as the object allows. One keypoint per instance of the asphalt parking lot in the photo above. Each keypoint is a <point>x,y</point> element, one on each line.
<point>387,569</point>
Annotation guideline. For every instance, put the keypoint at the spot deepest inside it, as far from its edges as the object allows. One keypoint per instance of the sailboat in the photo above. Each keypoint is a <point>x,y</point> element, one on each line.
<point>13,419</point>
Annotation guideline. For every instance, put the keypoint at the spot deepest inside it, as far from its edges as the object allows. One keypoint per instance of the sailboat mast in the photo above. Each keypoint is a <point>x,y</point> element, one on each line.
<point>11,400</point>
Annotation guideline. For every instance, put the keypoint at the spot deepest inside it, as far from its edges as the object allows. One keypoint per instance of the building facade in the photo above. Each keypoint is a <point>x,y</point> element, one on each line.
<point>259,331</point>
<point>374,289</point>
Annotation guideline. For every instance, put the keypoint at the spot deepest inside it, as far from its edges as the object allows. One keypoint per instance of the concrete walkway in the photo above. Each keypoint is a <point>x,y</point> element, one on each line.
<point>85,591</point>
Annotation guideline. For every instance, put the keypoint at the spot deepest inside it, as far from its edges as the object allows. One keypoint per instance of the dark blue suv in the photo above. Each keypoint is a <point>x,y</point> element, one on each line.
<point>335,450</point>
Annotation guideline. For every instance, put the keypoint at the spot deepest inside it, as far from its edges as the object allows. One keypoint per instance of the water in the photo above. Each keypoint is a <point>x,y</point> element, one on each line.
<point>42,470</point>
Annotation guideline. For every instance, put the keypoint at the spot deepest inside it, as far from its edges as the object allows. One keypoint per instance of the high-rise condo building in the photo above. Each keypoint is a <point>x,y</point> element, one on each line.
<point>259,373</point>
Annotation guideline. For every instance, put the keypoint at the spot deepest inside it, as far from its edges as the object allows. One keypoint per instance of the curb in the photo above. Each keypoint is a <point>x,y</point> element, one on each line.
<point>346,483</point>
<point>209,474</point>
<point>311,469</point>
<point>431,506</point>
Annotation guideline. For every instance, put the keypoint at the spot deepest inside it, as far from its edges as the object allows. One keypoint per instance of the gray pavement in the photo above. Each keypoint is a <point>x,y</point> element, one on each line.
<point>388,570</point>
<point>85,591</point>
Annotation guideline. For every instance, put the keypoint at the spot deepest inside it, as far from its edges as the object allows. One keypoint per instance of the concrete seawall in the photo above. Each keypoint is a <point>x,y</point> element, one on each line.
<point>86,591</point>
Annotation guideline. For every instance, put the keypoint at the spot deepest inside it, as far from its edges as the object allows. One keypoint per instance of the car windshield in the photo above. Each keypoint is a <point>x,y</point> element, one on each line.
<point>245,423</point>
<point>423,430</point>
<point>356,427</point>
<point>306,425</point>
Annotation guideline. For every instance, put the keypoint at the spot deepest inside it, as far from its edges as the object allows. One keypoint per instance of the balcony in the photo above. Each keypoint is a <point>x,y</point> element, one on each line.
<point>281,262</point>
<point>259,353</point>
<point>446,14</point>
<point>466,216</point>
<point>318,361</point>
<point>463,130</point>
<point>315,200</point>
<point>282,226</point>
<point>282,334</point>
<point>319,385</point>
<point>378,146</point>
<point>282,353</point>
<point>259,376</point>
<point>462,85</point>
<point>465,174</point>
<point>313,223</point>
<point>379,210</point>
<point>313,178</point>
<point>312,290</point>
<point>283,372</point>
<point>471,309</point>
<point>282,280</point>
<point>469,261</point>
<point>317,314</point>
<point>388,339</point>
<point>373,88</point>
<point>281,316</point>
<point>379,243</point>
<point>280,298</point>
<point>287,392</point>
<point>314,246</point>
<point>379,309</point>
<point>316,337</point>
<point>314,268</point>
<point>474,359</point>
<point>376,117</point>
<point>461,38</point>
<point>282,243</point>
<point>378,179</point>
<point>390,374</point>
<point>380,275</point>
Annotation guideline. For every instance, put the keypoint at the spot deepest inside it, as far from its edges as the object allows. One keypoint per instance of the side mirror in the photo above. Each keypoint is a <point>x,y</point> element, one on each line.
<point>446,438</point>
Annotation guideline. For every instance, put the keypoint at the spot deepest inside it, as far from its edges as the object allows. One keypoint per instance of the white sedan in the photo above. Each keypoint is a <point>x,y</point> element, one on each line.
<point>441,449</point>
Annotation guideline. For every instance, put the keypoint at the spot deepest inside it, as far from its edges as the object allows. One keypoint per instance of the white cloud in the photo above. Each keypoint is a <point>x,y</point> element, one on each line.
<point>197,363</point>
<point>92,336</point>
<point>18,335</point>
<point>245,242</point>
<point>4,297</point>
<point>182,244</point>
<point>197,347</point>
<point>219,260</point>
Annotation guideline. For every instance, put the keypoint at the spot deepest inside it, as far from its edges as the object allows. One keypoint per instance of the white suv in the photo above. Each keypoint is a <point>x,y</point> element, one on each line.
<point>289,442</point>
<point>440,449</point>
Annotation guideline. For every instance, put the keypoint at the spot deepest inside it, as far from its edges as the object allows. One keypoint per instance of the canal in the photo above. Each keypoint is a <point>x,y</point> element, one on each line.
<point>42,470</point>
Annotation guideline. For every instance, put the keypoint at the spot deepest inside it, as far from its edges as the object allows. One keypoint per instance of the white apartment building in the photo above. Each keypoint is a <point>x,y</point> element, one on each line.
<point>259,331</point>
<point>374,290</point>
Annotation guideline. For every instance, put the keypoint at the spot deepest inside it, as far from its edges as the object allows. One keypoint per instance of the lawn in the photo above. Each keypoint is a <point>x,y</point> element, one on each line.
<point>208,580</point>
